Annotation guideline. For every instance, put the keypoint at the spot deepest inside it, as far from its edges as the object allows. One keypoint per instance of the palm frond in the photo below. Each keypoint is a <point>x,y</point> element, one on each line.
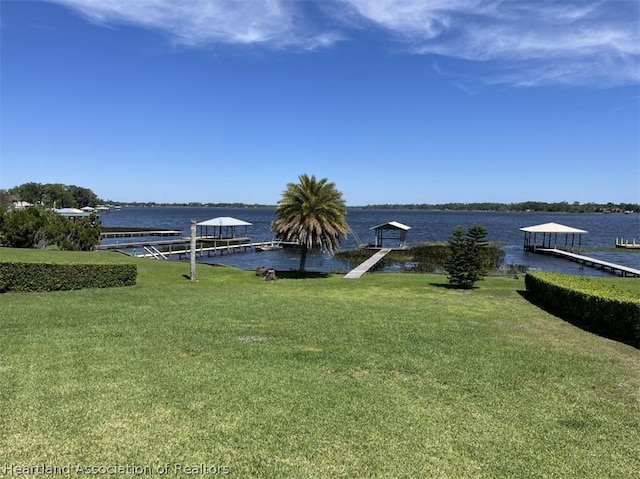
<point>313,213</point>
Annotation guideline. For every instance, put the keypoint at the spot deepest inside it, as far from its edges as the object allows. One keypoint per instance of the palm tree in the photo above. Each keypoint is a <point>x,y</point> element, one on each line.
<point>313,213</point>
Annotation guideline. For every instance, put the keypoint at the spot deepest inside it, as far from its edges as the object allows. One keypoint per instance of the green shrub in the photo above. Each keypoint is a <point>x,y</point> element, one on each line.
<point>58,277</point>
<point>467,261</point>
<point>428,257</point>
<point>37,227</point>
<point>601,308</point>
<point>25,228</point>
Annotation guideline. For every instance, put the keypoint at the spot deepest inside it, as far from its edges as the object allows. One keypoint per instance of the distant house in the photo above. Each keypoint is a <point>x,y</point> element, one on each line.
<point>20,205</point>
<point>71,212</point>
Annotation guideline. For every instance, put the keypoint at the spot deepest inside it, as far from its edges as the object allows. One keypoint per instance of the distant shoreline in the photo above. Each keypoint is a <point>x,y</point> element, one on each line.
<point>524,207</point>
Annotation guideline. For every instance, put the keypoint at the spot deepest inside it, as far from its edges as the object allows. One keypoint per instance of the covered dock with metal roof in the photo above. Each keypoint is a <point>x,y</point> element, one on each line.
<point>391,230</point>
<point>72,213</point>
<point>222,227</point>
<point>549,232</point>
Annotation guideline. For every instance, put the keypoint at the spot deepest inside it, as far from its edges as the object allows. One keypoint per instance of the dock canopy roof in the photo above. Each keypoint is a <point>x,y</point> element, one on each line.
<point>224,227</point>
<point>395,227</point>
<point>551,228</point>
<point>549,231</point>
<point>223,221</point>
<point>391,225</point>
<point>71,212</point>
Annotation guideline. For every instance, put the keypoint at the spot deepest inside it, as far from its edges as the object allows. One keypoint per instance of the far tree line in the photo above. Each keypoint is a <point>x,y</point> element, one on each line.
<point>534,206</point>
<point>57,195</point>
<point>51,195</point>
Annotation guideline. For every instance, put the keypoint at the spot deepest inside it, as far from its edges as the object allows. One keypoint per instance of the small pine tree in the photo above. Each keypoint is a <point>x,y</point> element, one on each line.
<point>467,259</point>
<point>456,257</point>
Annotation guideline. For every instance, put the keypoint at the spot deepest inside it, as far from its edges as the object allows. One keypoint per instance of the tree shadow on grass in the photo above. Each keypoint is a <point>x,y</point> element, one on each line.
<point>580,324</point>
<point>291,274</point>
<point>452,286</point>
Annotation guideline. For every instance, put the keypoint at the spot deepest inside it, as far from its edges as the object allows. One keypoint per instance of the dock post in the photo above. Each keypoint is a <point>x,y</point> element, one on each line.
<point>193,250</point>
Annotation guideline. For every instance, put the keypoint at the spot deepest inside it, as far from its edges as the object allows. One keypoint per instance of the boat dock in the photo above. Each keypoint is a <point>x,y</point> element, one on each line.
<point>362,268</point>
<point>182,246</point>
<point>549,233</point>
<point>184,240</point>
<point>624,271</point>
<point>625,243</point>
<point>138,234</point>
<point>201,250</point>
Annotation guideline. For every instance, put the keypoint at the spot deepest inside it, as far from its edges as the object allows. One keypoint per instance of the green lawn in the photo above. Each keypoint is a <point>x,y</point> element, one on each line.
<point>388,376</point>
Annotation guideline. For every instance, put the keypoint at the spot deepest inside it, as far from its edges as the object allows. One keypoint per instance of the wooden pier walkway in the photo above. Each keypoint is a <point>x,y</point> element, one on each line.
<point>182,246</point>
<point>362,268</point>
<point>200,250</point>
<point>134,234</point>
<point>184,240</point>
<point>613,268</point>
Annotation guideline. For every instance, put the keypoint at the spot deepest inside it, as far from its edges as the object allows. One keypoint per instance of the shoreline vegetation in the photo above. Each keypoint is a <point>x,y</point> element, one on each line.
<point>428,258</point>
<point>523,207</point>
<point>71,196</point>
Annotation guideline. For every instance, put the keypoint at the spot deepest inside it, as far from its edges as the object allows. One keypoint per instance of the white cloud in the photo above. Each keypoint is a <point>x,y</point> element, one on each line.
<point>276,23</point>
<point>523,42</point>
<point>527,42</point>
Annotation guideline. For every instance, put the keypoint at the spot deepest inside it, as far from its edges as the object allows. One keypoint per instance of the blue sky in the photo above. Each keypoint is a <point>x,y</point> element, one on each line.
<point>401,101</point>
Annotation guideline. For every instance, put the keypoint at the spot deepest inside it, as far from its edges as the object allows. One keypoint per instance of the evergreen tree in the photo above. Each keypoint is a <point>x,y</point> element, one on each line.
<point>456,258</point>
<point>83,196</point>
<point>467,261</point>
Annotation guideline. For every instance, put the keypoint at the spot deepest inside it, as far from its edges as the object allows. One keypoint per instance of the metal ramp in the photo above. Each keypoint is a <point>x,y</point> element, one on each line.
<point>155,252</point>
<point>362,268</point>
<point>357,238</point>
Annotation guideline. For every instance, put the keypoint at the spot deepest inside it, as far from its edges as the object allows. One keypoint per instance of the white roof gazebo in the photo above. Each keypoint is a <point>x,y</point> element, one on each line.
<point>391,226</point>
<point>21,205</point>
<point>223,227</point>
<point>550,231</point>
<point>71,212</point>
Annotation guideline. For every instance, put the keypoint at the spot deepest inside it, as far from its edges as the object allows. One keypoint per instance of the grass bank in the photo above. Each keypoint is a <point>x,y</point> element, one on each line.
<point>387,376</point>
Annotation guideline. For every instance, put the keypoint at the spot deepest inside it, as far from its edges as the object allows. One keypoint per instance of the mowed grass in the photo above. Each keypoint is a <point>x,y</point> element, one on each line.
<point>388,376</point>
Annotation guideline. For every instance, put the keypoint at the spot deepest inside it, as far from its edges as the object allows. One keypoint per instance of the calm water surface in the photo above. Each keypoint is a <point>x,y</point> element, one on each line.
<point>426,226</point>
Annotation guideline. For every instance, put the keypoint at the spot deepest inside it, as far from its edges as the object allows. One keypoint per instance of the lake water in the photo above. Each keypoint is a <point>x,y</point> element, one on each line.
<point>426,226</point>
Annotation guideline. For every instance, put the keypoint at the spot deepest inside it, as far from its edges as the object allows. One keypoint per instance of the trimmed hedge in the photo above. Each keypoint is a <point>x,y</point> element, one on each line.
<point>59,277</point>
<point>600,308</point>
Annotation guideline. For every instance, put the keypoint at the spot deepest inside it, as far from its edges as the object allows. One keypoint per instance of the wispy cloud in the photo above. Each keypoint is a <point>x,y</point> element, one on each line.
<point>526,42</point>
<point>197,23</point>
<point>521,42</point>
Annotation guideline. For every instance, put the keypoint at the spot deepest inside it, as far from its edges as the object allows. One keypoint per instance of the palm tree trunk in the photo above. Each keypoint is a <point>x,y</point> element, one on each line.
<point>303,261</point>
